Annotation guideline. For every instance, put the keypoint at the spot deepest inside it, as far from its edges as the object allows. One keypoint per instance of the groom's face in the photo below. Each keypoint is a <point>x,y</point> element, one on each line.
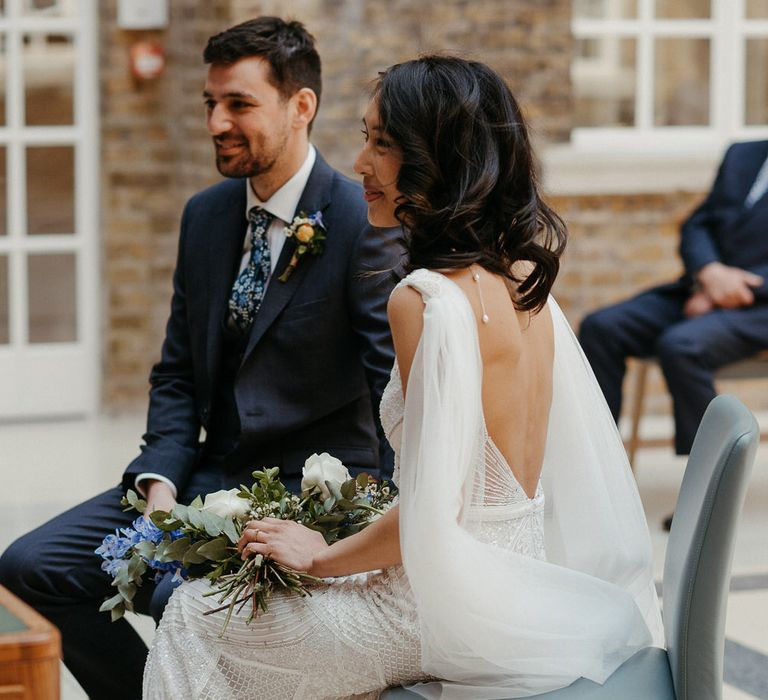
<point>249,120</point>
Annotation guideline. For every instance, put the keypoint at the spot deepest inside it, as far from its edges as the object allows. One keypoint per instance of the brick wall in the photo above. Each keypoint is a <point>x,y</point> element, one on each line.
<point>156,153</point>
<point>618,246</point>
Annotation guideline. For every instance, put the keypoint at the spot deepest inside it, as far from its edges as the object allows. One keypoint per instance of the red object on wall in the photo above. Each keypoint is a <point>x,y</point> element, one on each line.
<point>146,59</point>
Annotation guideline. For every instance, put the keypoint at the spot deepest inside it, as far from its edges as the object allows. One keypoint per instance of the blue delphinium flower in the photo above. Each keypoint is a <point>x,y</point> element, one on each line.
<point>147,530</point>
<point>117,549</point>
<point>114,549</point>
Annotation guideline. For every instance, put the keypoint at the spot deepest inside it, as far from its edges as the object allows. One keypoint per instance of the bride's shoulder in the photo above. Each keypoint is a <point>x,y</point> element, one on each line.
<point>427,283</point>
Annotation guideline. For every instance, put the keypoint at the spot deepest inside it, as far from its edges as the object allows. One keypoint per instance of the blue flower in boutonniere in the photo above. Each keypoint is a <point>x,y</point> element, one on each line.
<point>309,232</point>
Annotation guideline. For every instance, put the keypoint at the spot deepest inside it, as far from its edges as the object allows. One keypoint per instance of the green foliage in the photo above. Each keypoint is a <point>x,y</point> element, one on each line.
<point>205,543</point>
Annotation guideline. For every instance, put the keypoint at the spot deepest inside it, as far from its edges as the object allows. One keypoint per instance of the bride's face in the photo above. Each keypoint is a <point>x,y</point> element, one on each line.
<point>379,163</point>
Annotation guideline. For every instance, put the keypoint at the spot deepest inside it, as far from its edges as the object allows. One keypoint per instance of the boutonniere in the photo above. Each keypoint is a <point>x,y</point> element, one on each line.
<point>309,232</point>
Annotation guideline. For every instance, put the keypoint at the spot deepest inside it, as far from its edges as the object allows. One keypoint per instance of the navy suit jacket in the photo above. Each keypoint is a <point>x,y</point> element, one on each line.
<point>722,229</point>
<point>318,355</point>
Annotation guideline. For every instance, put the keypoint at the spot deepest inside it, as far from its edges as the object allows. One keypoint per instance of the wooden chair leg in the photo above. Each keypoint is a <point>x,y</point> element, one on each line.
<point>641,374</point>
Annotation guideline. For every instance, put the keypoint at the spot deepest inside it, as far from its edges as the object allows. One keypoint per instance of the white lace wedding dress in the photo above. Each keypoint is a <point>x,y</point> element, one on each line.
<point>357,635</point>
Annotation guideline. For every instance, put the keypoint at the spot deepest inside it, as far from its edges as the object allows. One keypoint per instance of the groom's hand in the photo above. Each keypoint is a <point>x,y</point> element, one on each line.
<point>159,496</point>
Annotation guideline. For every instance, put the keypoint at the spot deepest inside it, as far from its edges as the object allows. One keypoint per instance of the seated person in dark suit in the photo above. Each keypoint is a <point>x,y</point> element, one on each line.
<point>715,314</point>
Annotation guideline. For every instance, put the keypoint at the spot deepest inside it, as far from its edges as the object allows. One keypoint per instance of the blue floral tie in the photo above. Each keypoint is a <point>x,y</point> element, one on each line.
<point>248,290</point>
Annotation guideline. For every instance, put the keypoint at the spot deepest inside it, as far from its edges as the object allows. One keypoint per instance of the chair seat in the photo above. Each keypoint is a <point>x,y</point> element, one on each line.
<point>645,676</point>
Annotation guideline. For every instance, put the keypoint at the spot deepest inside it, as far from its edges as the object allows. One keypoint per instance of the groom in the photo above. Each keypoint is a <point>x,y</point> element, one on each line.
<point>274,348</point>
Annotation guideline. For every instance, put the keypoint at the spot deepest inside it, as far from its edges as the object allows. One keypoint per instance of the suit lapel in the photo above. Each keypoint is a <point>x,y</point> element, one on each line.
<point>316,197</point>
<point>225,250</point>
<point>757,158</point>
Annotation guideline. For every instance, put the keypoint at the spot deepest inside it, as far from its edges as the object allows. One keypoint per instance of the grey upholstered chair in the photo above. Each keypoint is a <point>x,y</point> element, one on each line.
<point>696,572</point>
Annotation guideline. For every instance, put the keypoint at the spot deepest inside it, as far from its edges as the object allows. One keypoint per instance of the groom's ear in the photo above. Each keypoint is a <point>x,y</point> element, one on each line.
<point>304,102</point>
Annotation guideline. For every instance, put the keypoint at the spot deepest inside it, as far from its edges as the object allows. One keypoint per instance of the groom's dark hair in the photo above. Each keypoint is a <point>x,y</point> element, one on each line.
<point>286,45</point>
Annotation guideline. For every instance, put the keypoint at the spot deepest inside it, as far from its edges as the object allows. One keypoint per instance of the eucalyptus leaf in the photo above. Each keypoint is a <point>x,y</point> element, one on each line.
<point>135,502</point>
<point>349,489</point>
<point>117,612</point>
<point>163,521</point>
<point>330,518</point>
<point>213,524</point>
<point>110,603</point>
<point>230,530</point>
<point>192,556</point>
<point>197,502</point>
<point>180,512</point>
<point>121,577</point>
<point>172,551</point>
<point>195,516</point>
<point>127,590</point>
<point>215,550</point>
<point>136,568</point>
<point>362,480</point>
<point>146,549</point>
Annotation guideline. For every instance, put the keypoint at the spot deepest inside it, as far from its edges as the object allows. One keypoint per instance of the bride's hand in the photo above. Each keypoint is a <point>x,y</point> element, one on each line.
<point>285,541</point>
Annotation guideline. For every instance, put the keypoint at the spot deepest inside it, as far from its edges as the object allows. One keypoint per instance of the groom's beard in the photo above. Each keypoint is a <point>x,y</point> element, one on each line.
<point>246,163</point>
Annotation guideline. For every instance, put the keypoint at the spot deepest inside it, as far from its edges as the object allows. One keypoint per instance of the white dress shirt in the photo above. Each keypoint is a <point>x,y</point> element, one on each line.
<point>282,205</point>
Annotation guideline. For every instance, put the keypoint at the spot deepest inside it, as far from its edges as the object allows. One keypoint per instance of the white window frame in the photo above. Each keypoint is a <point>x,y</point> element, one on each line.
<point>52,379</point>
<point>644,157</point>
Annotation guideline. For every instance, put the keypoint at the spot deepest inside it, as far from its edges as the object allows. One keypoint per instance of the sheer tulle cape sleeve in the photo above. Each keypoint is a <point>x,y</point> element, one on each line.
<point>494,623</point>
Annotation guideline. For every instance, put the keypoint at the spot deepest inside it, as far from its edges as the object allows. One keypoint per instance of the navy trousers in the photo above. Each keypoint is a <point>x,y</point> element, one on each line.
<point>54,570</point>
<point>689,350</point>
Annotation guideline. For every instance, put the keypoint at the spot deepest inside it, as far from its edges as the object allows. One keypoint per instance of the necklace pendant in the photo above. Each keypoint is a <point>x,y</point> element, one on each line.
<point>485,318</point>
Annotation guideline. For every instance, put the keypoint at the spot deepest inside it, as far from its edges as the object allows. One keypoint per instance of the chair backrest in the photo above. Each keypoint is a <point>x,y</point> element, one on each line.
<point>700,548</point>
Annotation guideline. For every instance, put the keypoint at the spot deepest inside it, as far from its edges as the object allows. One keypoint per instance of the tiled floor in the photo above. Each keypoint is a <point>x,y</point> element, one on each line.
<point>47,467</point>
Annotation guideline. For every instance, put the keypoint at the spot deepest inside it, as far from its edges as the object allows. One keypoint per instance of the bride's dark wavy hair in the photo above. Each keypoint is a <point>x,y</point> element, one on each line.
<point>468,176</point>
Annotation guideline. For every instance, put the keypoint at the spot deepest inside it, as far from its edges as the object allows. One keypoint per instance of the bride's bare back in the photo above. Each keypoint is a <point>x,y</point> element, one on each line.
<point>517,350</point>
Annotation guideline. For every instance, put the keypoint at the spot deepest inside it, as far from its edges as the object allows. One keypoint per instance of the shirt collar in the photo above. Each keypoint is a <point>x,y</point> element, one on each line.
<point>282,204</point>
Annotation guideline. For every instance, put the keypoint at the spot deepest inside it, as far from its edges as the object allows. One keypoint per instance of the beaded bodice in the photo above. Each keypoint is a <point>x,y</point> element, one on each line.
<point>501,512</point>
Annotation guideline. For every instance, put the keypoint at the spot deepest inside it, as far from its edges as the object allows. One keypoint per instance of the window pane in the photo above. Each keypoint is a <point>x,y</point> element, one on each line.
<point>3,195</point>
<point>3,79</point>
<point>49,62</point>
<point>51,286</point>
<point>49,8</point>
<point>603,75</point>
<point>683,9</point>
<point>604,9</point>
<point>50,189</point>
<point>756,94</point>
<point>681,82</point>
<point>757,9</point>
<point>4,294</point>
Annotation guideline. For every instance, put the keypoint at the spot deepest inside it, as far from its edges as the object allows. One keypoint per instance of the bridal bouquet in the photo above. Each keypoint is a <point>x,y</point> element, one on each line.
<point>200,540</point>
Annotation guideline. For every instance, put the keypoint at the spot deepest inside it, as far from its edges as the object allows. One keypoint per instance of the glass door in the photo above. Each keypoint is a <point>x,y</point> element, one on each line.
<point>49,359</point>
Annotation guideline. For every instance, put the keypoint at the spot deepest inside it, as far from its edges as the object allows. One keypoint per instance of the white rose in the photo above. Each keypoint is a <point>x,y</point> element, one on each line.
<point>321,468</point>
<point>227,504</point>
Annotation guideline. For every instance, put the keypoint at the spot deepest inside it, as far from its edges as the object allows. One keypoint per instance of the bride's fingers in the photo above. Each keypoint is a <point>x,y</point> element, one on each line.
<point>249,535</point>
<point>265,524</point>
<point>253,548</point>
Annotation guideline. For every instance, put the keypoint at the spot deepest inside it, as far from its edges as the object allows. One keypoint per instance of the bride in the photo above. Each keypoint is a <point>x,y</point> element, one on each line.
<point>518,557</point>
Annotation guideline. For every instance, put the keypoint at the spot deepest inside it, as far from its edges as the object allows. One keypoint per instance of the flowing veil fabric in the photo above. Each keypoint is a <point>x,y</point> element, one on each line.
<point>495,623</point>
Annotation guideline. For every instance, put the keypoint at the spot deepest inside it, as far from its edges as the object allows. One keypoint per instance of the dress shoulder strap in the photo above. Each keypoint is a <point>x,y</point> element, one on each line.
<point>427,282</point>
